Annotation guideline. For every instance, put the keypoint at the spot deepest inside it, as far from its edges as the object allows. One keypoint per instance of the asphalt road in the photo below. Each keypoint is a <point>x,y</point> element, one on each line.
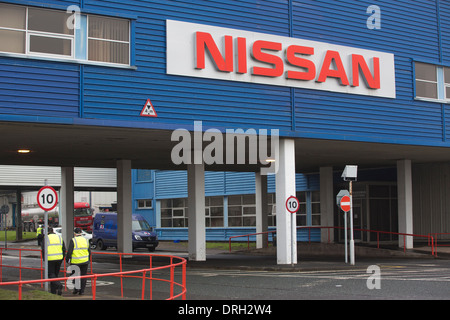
<point>387,279</point>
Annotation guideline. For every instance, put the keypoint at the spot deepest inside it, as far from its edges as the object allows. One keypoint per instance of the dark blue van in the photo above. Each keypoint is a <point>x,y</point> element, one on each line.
<point>104,233</point>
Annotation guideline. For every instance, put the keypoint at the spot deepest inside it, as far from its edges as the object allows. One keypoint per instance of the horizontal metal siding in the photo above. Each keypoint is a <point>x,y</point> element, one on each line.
<point>239,183</point>
<point>121,94</point>
<point>409,31</point>
<point>214,183</point>
<point>37,88</point>
<point>224,234</point>
<point>36,176</point>
<point>95,177</point>
<point>444,20</point>
<point>303,182</point>
<point>173,184</point>
<point>170,184</point>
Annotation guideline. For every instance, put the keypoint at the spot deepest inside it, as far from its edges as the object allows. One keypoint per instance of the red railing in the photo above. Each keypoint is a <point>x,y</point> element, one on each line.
<point>429,237</point>
<point>146,274</point>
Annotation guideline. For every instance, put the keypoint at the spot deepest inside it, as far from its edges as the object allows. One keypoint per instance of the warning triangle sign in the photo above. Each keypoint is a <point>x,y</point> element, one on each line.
<point>148,110</point>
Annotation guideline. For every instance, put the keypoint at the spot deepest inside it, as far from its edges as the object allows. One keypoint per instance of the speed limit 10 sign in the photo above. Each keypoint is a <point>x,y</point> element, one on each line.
<point>292,204</point>
<point>47,198</point>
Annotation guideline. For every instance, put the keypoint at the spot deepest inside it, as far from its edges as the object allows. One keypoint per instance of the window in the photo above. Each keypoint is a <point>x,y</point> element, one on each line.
<point>242,211</point>
<point>302,210</point>
<point>38,32</point>
<point>447,82</point>
<point>144,175</point>
<point>145,204</point>
<point>214,211</point>
<point>315,208</point>
<point>109,40</point>
<point>12,28</point>
<point>174,213</point>
<point>432,82</point>
<point>48,32</point>
<point>426,80</point>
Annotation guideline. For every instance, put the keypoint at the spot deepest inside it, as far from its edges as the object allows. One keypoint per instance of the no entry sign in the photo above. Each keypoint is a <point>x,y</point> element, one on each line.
<point>345,203</point>
<point>47,198</point>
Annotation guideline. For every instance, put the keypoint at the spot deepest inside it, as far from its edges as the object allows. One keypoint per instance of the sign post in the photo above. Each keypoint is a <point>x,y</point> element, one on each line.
<point>292,205</point>
<point>350,173</point>
<point>47,199</point>
<point>345,205</point>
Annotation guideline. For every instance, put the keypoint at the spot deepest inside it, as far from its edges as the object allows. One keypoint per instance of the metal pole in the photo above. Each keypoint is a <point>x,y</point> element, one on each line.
<point>45,244</point>
<point>4,228</point>
<point>352,241</point>
<point>346,236</point>
<point>293,242</point>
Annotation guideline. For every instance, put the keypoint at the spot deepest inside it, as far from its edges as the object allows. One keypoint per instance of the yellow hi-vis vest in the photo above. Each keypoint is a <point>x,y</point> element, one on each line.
<point>80,250</point>
<point>54,247</point>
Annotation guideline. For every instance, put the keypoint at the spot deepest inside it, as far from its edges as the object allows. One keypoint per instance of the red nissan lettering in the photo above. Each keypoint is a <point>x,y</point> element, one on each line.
<point>358,63</point>
<point>204,40</point>
<point>278,65</point>
<point>310,74</point>
<point>338,73</point>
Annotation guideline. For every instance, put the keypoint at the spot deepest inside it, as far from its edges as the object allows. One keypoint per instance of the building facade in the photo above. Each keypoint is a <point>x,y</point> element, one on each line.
<point>310,86</point>
<point>230,203</point>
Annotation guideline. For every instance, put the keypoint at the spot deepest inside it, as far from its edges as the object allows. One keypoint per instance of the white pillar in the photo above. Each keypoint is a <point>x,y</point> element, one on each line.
<point>124,207</point>
<point>66,203</point>
<point>285,187</point>
<point>261,209</point>
<point>327,203</point>
<point>196,212</point>
<point>405,209</point>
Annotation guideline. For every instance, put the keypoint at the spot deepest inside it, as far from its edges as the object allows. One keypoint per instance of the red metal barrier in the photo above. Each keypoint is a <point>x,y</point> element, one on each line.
<point>430,238</point>
<point>141,273</point>
<point>436,236</point>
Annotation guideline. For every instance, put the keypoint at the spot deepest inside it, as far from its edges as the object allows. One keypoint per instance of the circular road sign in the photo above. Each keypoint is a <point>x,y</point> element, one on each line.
<point>47,198</point>
<point>4,209</point>
<point>345,203</point>
<point>292,204</point>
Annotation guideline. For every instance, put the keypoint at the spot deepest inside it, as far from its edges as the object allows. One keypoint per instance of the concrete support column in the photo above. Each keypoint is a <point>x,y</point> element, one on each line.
<point>261,210</point>
<point>405,210</point>
<point>66,203</point>
<point>285,187</point>
<point>327,203</point>
<point>124,207</point>
<point>19,222</point>
<point>196,212</point>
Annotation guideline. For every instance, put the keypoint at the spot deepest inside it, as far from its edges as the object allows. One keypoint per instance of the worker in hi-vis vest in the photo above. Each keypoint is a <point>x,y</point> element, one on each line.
<point>79,255</point>
<point>40,234</point>
<point>56,250</point>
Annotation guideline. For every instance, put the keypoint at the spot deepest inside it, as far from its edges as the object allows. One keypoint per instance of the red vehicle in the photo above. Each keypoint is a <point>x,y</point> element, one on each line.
<point>83,216</point>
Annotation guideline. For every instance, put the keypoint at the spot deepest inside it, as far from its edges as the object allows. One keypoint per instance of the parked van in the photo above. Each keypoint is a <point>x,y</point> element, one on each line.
<point>105,232</point>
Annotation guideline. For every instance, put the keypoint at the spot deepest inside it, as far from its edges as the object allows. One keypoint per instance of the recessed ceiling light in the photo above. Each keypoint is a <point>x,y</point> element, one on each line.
<point>24,151</point>
<point>270,160</point>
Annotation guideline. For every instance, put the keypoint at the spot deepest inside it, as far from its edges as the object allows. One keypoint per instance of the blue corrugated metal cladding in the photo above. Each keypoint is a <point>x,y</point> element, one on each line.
<point>48,91</point>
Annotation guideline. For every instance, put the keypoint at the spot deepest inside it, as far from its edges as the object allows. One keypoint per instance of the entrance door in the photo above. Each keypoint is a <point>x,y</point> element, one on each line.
<point>358,218</point>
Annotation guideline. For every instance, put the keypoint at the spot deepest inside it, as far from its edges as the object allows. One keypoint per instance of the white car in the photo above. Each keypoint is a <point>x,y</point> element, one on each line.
<point>86,235</point>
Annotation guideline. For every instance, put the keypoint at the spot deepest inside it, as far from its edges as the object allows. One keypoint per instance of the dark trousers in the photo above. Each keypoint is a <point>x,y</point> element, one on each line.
<point>83,271</point>
<point>53,272</point>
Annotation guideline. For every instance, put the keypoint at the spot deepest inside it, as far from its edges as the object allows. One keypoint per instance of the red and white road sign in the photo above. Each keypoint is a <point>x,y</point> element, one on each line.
<point>148,110</point>
<point>292,204</point>
<point>47,198</point>
<point>345,203</point>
